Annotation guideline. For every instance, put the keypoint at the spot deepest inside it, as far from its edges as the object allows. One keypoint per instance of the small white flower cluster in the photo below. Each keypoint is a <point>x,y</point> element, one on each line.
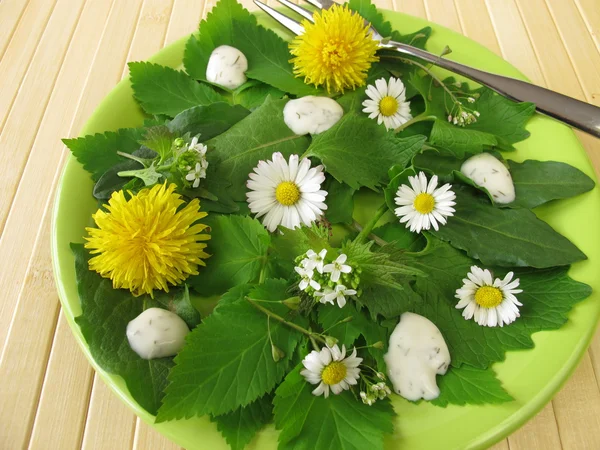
<point>196,171</point>
<point>326,282</point>
<point>375,391</point>
<point>462,116</point>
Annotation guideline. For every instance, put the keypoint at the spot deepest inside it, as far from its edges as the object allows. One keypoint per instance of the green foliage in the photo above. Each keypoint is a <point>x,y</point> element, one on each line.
<point>207,121</point>
<point>505,237</point>
<point>178,302</point>
<point>227,361</point>
<point>468,385</point>
<point>342,422</point>
<point>239,248</point>
<point>253,96</point>
<point>401,237</point>
<point>340,202</point>
<point>162,90</point>
<point>358,152</point>
<point>239,427</point>
<point>98,152</point>
<point>103,323</point>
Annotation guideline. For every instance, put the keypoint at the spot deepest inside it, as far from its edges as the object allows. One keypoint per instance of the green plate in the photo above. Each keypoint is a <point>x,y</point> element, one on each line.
<point>532,377</point>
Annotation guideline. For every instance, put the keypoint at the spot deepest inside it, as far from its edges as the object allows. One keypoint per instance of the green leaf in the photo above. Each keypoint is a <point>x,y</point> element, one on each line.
<point>505,237</point>
<point>235,153</point>
<point>358,152</point>
<point>98,152</point>
<point>340,202</point>
<point>217,29</point>
<point>401,237</point>
<point>538,182</point>
<point>317,423</point>
<point>239,248</point>
<point>178,302</point>
<point>460,140</point>
<point>207,121</point>
<point>369,12</point>
<point>159,139</point>
<point>440,162</point>
<point>103,322</point>
<point>470,386</point>
<point>239,427</point>
<point>162,90</point>
<point>398,177</point>
<point>110,182</point>
<point>389,302</point>
<point>148,175</point>
<point>254,96</point>
<point>227,360</point>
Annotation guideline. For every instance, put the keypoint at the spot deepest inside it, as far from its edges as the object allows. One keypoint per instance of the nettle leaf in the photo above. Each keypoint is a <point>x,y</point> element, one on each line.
<point>98,152</point>
<point>548,295</point>
<point>217,29</point>
<point>227,361</point>
<point>235,153</point>
<point>103,323</point>
<point>358,152</point>
<point>317,423</point>
<point>238,246</point>
<point>207,121</point>
<point>460,140</point>
<point>239,427</point>
<point>388,302</point>
<point>468,385</point>
<point>340,202</point>
<point>162,90</point>
<point>505,237</point>
<point>538,182</point>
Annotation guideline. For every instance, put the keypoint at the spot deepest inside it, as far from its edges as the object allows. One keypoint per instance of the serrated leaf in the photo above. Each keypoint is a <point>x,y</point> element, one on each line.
<point>159,139</point>
<point>207,121</point>
<point>505,237</point>
<point>238,247</point>
<point>162,90</point>
<point>388,302</point>
<point>341,421</point>
<point>178,302</point>
<point>467,385</point>
<point>227,361</point>
<point>235,153</point>
<point>460,140</point>
<point>239,427</point>
<point>103,323</point>
<point>98,152</point>
<point>254,96</point>
<point>358,152</point>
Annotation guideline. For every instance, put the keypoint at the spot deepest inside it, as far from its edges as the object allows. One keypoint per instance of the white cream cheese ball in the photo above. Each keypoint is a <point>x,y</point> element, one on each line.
<point>227,67</point>
<point>311,114</point>
<point>416,354</point>
<point>487,171</point>
<point>156,333</point>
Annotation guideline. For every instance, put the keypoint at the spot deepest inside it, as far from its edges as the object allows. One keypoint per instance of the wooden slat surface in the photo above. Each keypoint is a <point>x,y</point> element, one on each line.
<point>59,58</point>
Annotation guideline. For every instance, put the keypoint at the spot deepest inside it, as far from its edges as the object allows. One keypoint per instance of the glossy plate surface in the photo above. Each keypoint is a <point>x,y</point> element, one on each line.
<point>532,376</point>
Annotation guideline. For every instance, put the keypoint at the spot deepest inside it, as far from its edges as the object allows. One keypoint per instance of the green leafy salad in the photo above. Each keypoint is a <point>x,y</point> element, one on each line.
<point>305,233</point>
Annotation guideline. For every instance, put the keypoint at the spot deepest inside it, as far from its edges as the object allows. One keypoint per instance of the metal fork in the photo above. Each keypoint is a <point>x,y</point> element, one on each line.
<point>576,113</point>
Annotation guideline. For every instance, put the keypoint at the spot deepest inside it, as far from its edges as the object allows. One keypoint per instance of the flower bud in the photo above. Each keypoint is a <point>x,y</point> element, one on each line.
<point>293,303</point>
<point>330,341</point>
<point>277,353</point>
<point>378,345</point>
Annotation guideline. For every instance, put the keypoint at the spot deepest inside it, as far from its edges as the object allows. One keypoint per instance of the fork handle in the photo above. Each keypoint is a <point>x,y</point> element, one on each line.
<point>576,113</point>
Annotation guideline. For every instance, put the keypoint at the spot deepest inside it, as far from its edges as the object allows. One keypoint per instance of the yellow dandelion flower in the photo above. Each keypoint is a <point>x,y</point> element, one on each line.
<point>148,242</point>
<point>336,51</point>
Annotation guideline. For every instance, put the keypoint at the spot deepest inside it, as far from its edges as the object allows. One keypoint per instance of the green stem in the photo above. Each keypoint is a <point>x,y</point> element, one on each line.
<point>263,271</point>
<point>366,231</point>
<point>314,343</point>
<point>358,227</point>
<point>277,317</point>
<point>414,120</point>
<point>142,161</point>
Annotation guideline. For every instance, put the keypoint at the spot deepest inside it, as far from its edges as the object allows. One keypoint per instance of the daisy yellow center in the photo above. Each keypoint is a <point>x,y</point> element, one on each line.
<point>388,106</point>
<point>488,296</point>
<point>424,203</point>
<point>287,193</point>
<point>334,373</point>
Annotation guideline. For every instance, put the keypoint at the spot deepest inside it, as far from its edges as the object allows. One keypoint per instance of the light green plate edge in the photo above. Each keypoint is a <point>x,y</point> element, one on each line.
<point>532,377</point>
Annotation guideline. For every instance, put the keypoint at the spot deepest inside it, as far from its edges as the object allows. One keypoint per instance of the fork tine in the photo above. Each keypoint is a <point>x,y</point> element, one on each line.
<point>315,3</point>
<point>284,20</point>
<point>298,9</point>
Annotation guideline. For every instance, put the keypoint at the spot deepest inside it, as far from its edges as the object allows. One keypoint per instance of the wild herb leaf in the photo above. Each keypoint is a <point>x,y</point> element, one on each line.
<point>340,202</point>
<point>238,246</point>
<point>255,95</point>
<point>103,322</point>
<point>227,361</point>
<point>207,121</point>
<point>162,90</point>
<point>98,152</point>
<point>178,302</point>
<point>401,236</point>
<point>460,140</point>
<point>505,237</point>
<point>342,422</point>
<point>358,152</point>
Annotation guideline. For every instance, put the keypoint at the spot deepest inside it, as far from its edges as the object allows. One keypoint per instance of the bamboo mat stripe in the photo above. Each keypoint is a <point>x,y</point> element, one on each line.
<point>59,58</point>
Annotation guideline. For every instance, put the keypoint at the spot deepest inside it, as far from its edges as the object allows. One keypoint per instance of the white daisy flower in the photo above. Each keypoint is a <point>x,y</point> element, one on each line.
<point>286,194</point>
<point>337,268</point>
<point>306,279</point>
<point>338,294</point>
<point>331,370</point>
<point>387,102</point>
<point>490,302</point>
<point>422,206</point>
<point>315,260</point>
<point>196,174</point>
